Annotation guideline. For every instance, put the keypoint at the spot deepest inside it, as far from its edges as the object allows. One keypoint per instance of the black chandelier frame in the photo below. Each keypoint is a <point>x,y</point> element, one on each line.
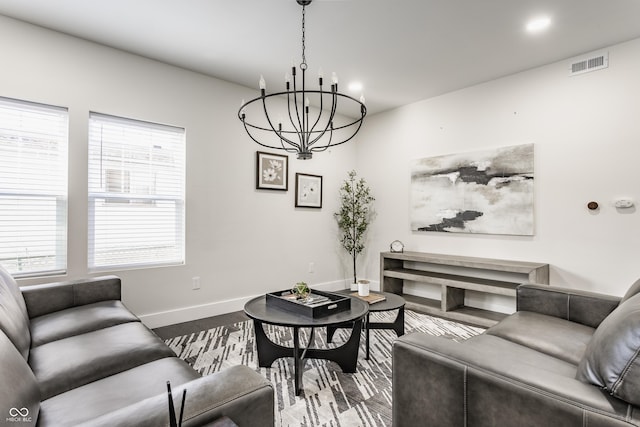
<point>305,131</point>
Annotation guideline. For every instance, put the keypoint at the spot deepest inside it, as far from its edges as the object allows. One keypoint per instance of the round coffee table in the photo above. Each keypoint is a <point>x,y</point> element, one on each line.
<point>346,356</point>
<point>391,302</point>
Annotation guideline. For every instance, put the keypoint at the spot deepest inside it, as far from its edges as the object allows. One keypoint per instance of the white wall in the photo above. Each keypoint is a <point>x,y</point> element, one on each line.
<point>586,131</point>
<point>241,242</point>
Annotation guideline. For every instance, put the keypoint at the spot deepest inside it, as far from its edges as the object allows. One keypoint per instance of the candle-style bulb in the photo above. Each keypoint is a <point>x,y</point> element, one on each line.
<point>287,77</point>
<point>242,109</point>
<point>307,102</point>
<point>262,83</point>
<point>334,78</point>
<point>362,99</point>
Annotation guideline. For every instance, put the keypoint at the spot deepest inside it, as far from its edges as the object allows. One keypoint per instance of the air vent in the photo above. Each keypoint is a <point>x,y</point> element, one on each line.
<point>594,62</point>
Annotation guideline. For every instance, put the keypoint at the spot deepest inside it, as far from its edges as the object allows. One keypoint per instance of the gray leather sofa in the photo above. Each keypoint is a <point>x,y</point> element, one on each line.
<point>72,354</point>
<point>565,358</point>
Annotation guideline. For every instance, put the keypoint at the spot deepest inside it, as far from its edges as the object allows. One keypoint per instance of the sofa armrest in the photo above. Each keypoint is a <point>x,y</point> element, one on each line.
<point>587,308</point>
<point>50,297</point>
<point>237,392</point>
<point>440,382</point>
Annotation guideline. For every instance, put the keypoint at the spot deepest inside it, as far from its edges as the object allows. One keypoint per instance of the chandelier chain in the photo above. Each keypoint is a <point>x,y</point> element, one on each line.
<point>304,58</point>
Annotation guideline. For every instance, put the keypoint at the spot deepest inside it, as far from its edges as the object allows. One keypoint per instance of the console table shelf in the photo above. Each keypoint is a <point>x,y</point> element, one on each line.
<point>395,268</point>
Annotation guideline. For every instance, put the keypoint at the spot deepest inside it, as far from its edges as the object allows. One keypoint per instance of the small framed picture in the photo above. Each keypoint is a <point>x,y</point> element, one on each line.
<point>272,171</point>
<point>308,191</point>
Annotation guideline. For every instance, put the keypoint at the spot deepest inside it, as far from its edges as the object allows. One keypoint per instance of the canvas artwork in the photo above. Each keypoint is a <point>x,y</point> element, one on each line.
<point>488,192</point>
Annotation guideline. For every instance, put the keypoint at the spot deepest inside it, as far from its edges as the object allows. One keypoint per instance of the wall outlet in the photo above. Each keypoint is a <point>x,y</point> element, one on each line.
<point>312,267</point>
<point>195,283</point>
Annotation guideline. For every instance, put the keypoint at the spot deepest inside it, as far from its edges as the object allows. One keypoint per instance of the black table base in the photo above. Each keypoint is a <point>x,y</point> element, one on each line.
<point>346,356</point>
<point>397,325</point>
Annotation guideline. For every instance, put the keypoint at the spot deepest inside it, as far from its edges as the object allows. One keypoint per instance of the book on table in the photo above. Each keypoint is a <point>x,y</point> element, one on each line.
<point>372,298</point>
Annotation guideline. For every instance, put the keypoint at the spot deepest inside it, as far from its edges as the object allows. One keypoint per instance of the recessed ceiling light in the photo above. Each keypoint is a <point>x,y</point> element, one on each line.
<point>538,24</point>
<point>355,86</point>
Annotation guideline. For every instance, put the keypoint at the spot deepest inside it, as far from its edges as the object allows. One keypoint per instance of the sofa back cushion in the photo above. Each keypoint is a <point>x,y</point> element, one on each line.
<point>612,357</point>
<point>633,290</point>
<point>19,392</point>
<point>14,319</point>
<point>7,280</point>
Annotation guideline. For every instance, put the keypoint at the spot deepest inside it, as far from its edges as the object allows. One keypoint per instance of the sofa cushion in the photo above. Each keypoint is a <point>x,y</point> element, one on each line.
<point>51,297</point>
<point>68,363</point>
<point>550,335</point>
<point>19,392</point>
<point>612,358</point>
<point>14,321</point>
<point>100,397</point>
<point>7,280</point>
<point>237,392</point>
<point>633,290</point>
<point>78,320</point>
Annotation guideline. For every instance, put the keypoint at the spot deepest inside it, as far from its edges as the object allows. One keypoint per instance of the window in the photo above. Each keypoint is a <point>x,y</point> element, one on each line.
<point>136,193</point>
<point>33,187</point>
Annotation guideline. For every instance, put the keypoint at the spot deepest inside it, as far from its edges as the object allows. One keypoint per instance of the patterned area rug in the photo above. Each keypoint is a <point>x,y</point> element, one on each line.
<point>330,397</point>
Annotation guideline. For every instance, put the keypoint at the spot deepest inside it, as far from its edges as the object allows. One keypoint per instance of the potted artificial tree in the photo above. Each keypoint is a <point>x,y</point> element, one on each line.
<point>354,217</point>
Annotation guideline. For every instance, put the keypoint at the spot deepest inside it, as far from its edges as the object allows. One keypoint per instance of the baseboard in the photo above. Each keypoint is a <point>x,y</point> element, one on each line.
<point>195,312</point>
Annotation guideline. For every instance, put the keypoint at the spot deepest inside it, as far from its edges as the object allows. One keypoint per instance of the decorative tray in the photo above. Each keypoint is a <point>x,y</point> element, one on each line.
<point>318,304</point>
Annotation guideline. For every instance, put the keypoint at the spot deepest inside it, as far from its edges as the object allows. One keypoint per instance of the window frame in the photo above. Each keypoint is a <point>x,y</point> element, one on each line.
<point>130,198</point>
<point>60,164</point>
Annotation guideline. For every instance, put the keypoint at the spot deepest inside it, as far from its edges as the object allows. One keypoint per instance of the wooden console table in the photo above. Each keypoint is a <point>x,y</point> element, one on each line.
<point>396,267</point>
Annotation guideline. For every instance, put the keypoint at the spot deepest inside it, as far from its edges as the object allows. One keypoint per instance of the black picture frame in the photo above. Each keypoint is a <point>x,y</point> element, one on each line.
<point>308,191</point>
<point>272,171</point>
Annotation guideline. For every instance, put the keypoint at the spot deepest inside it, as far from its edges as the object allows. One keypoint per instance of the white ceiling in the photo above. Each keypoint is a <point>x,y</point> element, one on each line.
<point>401,50</point>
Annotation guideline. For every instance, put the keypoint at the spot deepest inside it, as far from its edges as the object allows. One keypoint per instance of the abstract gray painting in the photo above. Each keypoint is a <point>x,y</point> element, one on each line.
<point>488,192</point>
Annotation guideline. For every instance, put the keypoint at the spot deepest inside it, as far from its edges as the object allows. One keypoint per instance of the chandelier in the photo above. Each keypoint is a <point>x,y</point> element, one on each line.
<point>307,130</point>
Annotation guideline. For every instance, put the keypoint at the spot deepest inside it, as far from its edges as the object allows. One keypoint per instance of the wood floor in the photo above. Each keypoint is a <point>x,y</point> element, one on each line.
<point>185,328</point>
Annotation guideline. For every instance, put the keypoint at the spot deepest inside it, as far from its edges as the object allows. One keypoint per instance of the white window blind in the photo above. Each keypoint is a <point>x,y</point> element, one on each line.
<point>136,193</point>
<point>33,187</point>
